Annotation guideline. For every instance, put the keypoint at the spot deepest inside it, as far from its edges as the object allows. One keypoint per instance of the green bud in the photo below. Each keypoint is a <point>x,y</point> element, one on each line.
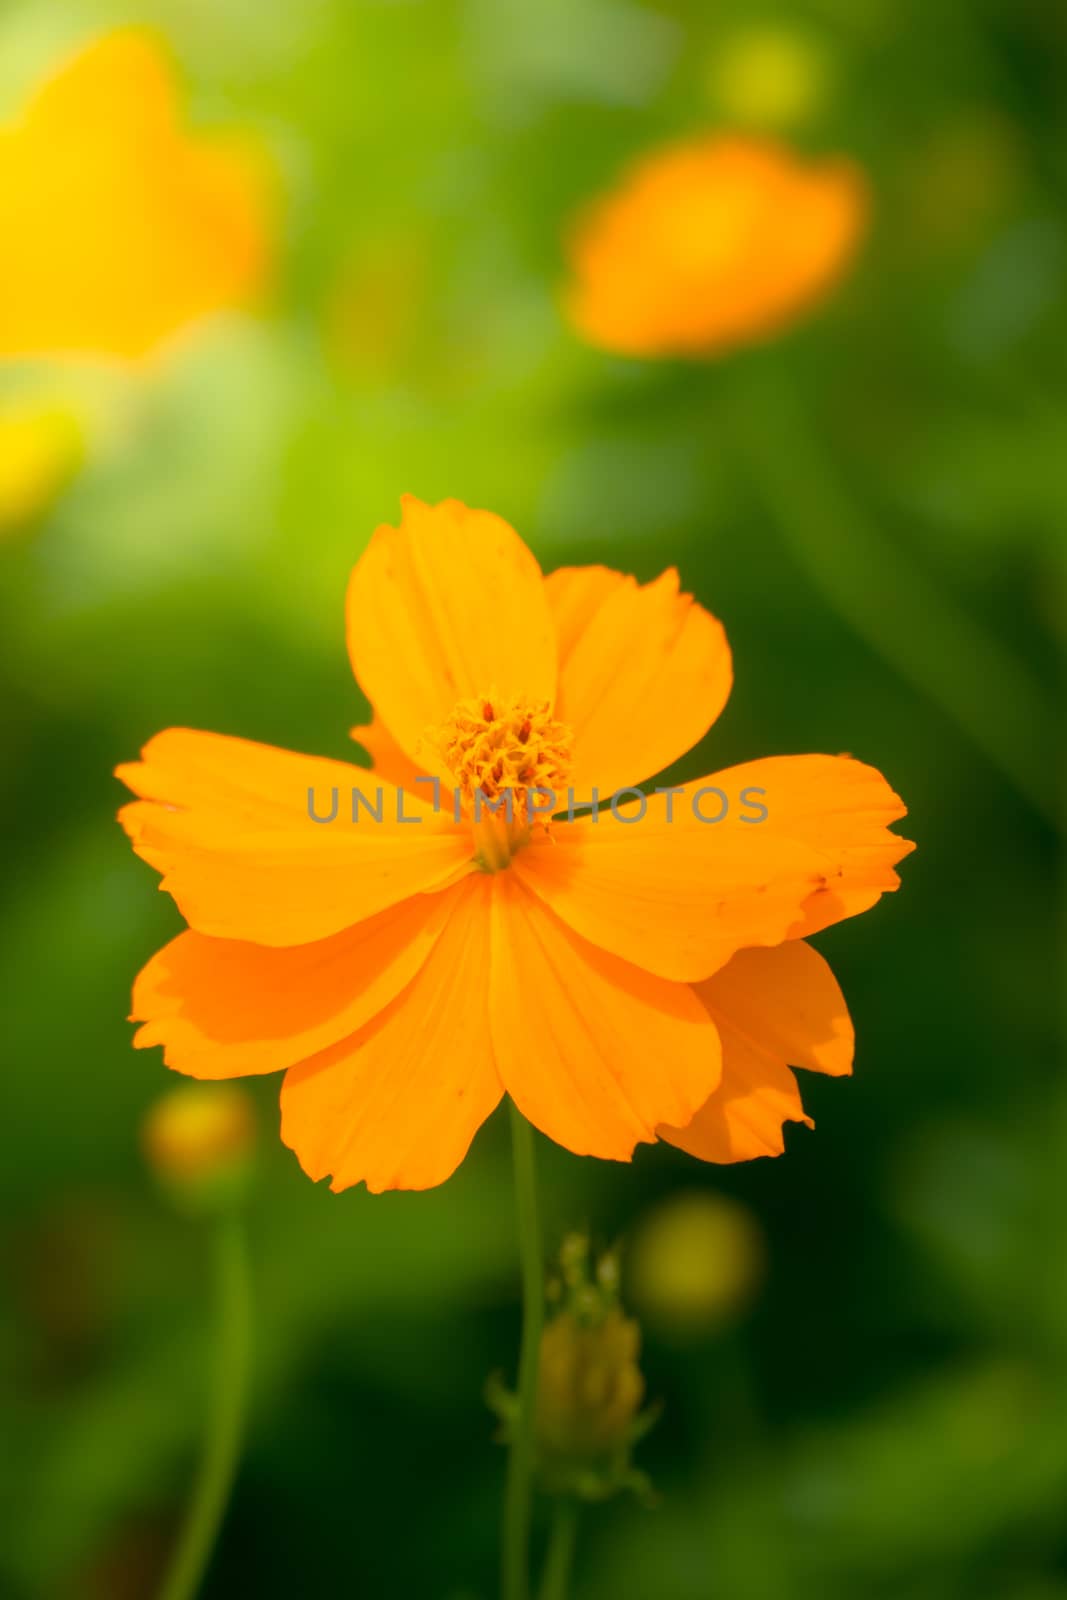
<point>589,1388</point>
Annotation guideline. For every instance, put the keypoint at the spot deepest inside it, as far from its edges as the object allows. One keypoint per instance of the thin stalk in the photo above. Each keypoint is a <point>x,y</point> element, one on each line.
<point>901,613</point>
<point>556,1578</point>
<point>222,1445</point>
<point>519,1490</point>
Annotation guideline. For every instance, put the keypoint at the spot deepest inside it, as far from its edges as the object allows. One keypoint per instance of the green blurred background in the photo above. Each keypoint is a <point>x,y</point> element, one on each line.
<point>885,1416</point>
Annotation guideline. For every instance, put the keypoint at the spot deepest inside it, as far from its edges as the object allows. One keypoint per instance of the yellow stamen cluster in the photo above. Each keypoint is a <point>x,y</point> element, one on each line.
<point>491,747</point>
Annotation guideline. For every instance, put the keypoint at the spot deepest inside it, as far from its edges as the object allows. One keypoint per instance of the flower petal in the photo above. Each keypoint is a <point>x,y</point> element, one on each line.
<point>397,1105</point>
<point>678,895</point>
<point>448,606</point>
<point>843,808</point>
<point>222,1008</point>
<point>711,243</point>
<point>575,594</point>
<point>744,1117</point>
<point>590,1049</point>
<point>387,760</point>
<point>788,1003</point>
<point>165,225</point>
<point>674,897</point>
<point>226,821</point>
<point>643,673</point>
<point>773,1008</point>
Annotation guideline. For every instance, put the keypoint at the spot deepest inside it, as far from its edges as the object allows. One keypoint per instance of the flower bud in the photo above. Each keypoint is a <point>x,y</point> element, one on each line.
<point>695,1263</point>
<point>589,1385</point>
<point>199,1140</point>
<point>590,1388</point>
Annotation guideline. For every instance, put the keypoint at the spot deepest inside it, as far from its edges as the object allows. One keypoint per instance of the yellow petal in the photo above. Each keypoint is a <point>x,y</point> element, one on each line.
<point>397,1105</point>
<point>679,895</point>
<point>387,759</point>
<point>843,808</point>
<point>591,1049</point>
<point>224,1009</point>
<point>226,821</point>
<point>788,1002</point>
<point>674,897</point>
<point>643,673</point>
<point>446,607</point>
<point>773,1008</point>
<point>744,1117</point>
<point>119,228</point>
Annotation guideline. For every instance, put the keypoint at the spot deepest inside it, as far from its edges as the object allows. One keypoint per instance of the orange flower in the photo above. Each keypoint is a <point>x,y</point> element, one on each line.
<point>118,228</point>
<point>407,972</point>
<point>711,244</point>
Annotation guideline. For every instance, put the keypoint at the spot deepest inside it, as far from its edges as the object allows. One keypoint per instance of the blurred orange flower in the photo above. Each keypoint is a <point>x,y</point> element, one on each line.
<point>711,244</point>
<point>118,227</point>
<point>408,968</point>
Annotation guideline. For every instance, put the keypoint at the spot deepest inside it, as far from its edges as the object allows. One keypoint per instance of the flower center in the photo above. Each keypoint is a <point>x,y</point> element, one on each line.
<point>510,761</point>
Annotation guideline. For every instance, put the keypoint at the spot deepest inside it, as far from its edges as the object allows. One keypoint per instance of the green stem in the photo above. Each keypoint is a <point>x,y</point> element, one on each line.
<point>518,1494</point>
<point>555,1581</point>
<point>222,1447</point>
<point>915,626</point>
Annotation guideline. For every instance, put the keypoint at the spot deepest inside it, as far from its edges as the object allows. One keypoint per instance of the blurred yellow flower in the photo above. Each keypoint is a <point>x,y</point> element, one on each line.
<point>712,243</point>
<point>41,446</point>
<point>199,1140</point>
<point>118,227</point>
<point>771,76</point>
<point>190,1128</point>
<point>695,1262</point>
